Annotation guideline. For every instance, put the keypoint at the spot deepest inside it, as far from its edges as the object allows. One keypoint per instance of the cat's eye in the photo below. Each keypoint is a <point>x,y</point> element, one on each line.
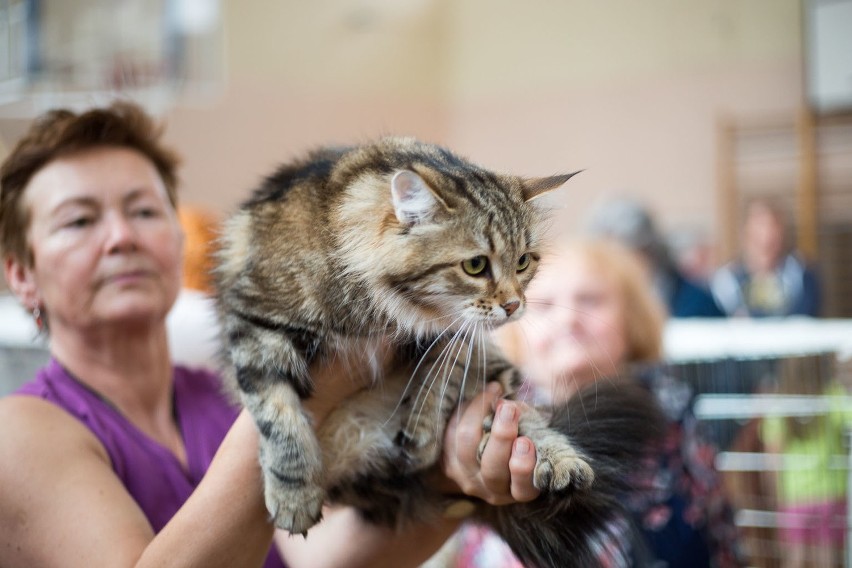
<point>475,266</point>
<point>523,262</point>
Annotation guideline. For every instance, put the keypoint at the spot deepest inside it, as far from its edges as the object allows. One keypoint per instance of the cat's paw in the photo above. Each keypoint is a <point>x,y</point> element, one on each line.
<point>417,448</point>
<point>556,469</point>
<point>559,471</point>
<point>294,509</point>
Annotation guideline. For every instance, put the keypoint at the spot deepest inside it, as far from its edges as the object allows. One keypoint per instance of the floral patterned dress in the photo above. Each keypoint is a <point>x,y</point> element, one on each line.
<point>677,503</point>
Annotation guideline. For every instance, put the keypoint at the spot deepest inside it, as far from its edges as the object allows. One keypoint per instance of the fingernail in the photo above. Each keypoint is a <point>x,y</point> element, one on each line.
<point>494,388</point>
<point>507,412</point>
<point>522,446</point>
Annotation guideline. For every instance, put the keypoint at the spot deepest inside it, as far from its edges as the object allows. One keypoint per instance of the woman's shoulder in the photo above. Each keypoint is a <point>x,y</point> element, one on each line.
<point>54,473</point>
<point>40,442</point>
<point>31,423</point>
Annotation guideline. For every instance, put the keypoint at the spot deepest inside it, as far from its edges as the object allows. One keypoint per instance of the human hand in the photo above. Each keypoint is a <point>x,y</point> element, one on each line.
<point>505,473</point>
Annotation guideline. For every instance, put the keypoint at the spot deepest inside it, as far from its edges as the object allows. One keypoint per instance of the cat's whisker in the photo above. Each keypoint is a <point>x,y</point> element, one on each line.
<point>483,366</point>
<point>472,328</point>
<point>429,383</point>
<point>447,365</point>
<point>448,329</point>
<point>437,368</point>
<point>476,338</point>
<point>413,375</point>
<point>461,343</point>
<point>425,383</point>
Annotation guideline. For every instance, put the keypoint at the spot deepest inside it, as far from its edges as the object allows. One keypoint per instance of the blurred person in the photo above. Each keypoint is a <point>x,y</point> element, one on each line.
<point>630,222</point>
<point>593,316</point>
<point>694,254</point>
<point>810,490</point>
<point>768,279</point>
<point>114,456</point>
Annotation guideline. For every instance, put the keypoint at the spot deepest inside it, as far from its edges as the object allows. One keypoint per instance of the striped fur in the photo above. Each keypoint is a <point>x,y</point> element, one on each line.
<point>374,244</point>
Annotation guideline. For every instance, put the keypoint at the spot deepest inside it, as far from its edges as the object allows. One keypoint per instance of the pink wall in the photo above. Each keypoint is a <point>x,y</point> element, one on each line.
<point>228,148</point>
<point>655,139</point>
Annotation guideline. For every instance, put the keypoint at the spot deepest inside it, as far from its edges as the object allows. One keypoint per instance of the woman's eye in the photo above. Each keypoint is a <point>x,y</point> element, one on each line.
<point>589,300</point>
<point>475,266</point>
<point>79,222</point>
<point>146,212</point>
<point>523,262</point>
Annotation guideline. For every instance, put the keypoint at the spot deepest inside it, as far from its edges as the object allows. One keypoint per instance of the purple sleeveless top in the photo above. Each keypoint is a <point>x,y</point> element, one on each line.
<point>152,474</point>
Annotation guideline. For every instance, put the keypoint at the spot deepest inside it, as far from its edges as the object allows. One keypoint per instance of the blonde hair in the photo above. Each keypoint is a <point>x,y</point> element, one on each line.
<point>644,314</point>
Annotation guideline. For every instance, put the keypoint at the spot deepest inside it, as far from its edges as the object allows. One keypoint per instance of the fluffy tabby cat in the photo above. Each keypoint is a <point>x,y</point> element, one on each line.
<point>405,243</point>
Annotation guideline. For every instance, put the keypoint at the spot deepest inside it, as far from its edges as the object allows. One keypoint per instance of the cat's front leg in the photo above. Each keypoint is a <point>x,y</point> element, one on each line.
<point>559,466</point>
<point>290,457</point>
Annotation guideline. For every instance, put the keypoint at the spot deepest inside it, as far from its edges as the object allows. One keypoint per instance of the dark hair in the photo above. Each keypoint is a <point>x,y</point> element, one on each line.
<point>62,132</point>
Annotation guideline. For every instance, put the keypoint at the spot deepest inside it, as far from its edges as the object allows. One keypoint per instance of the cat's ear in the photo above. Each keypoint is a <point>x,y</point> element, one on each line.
<point>535,187</point>
<point>413,199</point>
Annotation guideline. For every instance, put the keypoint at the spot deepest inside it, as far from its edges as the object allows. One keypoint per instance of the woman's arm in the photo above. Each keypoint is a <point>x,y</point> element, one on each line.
<point>61,504</point>
<point>224,522</point>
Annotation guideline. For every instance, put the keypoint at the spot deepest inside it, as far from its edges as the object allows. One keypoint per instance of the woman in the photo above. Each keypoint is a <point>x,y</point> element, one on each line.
<point>593,316</point>
<point>112,456</point>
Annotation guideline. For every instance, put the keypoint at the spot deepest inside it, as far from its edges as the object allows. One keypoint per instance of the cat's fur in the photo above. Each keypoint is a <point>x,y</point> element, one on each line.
<point>376,243</point>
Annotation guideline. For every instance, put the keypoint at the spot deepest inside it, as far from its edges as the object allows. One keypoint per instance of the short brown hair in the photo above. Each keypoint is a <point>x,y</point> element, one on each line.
<point>62,132</point>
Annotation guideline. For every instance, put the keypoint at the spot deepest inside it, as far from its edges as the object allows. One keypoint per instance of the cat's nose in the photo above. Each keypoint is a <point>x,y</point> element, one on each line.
<point>510,307</point>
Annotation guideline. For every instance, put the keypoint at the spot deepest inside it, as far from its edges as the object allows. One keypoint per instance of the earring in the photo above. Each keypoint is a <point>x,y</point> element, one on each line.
<point>39,320</point>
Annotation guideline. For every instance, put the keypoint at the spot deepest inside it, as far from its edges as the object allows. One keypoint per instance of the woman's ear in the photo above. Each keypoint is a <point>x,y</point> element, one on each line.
<point>21,280</point>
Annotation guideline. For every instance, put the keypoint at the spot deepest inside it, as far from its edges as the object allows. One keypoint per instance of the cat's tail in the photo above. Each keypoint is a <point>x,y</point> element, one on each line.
<point>614,425</point>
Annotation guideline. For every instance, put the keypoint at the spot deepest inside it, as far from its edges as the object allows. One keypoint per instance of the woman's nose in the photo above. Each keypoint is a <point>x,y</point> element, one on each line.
<point>121,235</point>
<point>567,314</point>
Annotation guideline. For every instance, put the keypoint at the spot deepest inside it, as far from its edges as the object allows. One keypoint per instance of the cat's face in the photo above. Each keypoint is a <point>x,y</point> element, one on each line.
<point>444,244</point>
<point>462,272</point>
<point>455,258</point>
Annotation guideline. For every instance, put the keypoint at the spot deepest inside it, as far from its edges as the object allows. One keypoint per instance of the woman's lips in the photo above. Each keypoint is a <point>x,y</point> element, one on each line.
<point>128,277</point>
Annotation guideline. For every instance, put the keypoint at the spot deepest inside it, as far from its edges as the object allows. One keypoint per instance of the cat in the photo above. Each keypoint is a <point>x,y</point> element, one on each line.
<point>401,243</point>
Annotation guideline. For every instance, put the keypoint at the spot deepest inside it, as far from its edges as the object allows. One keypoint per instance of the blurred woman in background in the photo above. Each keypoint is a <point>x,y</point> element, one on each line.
<point>593,315</point>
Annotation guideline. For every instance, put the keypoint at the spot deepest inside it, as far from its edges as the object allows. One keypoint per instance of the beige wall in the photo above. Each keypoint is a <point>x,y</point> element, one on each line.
<point>628,90</point>
<point>652,139</point>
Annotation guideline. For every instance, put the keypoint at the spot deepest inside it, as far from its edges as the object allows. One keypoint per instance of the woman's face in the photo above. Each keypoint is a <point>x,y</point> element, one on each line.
<point>575,327</point>
<point>105,241</point>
